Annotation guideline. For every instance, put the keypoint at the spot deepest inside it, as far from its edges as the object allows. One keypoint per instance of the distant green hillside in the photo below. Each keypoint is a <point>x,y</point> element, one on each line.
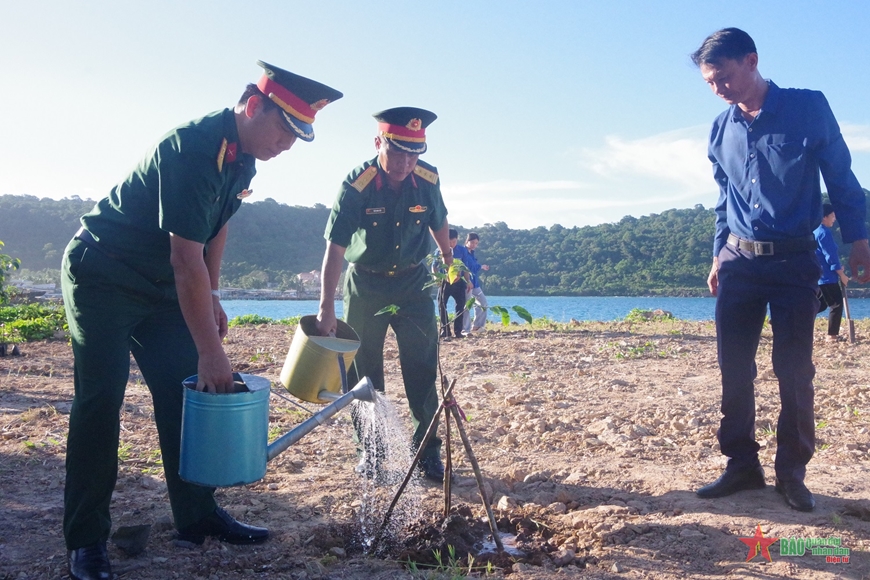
<point>668,253</point>
<point>37,230</point>
<point>269,243</point>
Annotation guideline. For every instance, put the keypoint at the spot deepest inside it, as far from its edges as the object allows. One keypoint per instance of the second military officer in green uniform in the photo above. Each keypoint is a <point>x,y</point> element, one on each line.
<point>386,211</point>
<point>141,276</point>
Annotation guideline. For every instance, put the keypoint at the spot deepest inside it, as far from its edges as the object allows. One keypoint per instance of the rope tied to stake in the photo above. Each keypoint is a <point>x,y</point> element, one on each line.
<point>452,403</point>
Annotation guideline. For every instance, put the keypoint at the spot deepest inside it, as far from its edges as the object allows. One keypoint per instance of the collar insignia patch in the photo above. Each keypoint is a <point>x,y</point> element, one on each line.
<point>244,193</point>
<point>228,153</point>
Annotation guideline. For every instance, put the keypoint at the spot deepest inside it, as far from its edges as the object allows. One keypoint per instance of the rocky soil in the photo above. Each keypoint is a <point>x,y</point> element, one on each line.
<point>591,439</point>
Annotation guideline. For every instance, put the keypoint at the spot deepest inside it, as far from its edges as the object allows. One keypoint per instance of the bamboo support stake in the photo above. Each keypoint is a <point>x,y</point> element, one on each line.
<point>452,408</point>
<point>448,455</point>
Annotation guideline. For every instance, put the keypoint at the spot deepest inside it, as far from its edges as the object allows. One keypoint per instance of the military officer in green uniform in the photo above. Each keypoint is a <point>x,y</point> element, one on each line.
<point>381,222</point>
<point>141,276</point>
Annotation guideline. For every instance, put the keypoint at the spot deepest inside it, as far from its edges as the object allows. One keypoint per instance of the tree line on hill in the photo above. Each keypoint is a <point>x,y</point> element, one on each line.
<point>269,243</point>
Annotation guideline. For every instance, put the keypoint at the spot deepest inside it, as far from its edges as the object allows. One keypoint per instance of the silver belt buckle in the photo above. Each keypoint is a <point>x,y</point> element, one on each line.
<point>763,248</point>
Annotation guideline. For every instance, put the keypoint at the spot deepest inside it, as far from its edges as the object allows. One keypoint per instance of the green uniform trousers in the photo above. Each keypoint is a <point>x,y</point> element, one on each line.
<point>112,312</point>
<point>365,294</point>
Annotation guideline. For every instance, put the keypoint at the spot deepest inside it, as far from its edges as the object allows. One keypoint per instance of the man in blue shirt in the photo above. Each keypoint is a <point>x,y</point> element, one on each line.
<point>475,291</point>
<point>767,150</point>
<point>830,294</point>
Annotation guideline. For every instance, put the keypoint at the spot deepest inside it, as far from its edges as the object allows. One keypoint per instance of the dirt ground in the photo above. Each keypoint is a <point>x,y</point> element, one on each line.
<point>591,439</point>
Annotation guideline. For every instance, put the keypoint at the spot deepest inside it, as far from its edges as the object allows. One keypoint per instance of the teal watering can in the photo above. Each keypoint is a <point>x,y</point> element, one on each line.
<point>224,436</point>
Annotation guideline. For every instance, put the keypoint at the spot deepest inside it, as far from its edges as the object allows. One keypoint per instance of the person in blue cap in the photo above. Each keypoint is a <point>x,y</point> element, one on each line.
<point>141,276</point>
<point>768,150</point>
<point>833,274</point>
<point>387,211</point>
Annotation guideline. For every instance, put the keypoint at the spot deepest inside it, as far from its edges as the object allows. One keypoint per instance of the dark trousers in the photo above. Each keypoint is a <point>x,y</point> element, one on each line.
<point>832,297</point>
<point>112,312</point>
<point>457,292</point>
<point>365,294</point>
<point>748,285</point>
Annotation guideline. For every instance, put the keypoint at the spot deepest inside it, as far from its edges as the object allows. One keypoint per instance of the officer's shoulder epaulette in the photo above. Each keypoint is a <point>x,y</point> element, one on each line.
<point>430,175</point>
<point>362,181</point>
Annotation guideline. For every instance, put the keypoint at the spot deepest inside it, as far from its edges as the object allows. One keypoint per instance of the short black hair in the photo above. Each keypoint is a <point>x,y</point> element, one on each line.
<point>728,43</point>
<point>253,90</point>
<point>827,209</point>
<point>452,234</point>
<point>471,236</point>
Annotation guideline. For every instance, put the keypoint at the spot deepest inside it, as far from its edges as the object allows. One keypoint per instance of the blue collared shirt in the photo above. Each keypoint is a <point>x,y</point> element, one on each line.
<point>439,262</point>
<point>460,253</point>
<point>826,252</point>
<point>768,170</point>
<point>467,257</point>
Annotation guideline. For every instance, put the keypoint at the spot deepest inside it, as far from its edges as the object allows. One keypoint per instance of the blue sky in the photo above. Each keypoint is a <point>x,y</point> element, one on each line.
<point>549,112</point>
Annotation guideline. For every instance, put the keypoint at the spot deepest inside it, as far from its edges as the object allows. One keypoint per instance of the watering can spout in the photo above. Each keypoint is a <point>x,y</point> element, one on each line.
<point>363,391</point>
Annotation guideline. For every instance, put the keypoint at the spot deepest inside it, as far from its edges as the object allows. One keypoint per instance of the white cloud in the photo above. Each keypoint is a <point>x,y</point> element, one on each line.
<point>520,203</point>
<point>527,204</point>
<point>678,157</point>
<point>504,186</point>
<point>857,137</point>
<point>623,177</point>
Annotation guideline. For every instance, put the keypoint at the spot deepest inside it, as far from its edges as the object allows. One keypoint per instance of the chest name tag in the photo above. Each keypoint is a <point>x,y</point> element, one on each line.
<point>244,193</point>
<point>417,209</point>
<point>375,210</point>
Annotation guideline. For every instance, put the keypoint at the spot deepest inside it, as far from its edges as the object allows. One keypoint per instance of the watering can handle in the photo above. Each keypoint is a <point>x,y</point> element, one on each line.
<point>343,371</point>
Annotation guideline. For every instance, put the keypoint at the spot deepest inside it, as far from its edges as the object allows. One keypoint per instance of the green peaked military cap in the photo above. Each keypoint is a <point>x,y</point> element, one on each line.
<point>405,127</point>
<point>298,97</point>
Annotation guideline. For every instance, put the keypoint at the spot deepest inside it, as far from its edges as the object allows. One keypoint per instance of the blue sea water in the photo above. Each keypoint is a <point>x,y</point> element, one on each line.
<point>557,308</point>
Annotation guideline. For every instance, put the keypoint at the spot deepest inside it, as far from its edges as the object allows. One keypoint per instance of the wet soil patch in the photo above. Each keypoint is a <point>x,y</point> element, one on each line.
<point>462,537</point>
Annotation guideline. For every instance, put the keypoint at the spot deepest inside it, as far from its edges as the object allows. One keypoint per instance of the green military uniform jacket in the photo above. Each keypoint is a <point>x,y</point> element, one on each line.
<point>388,231</point>
<point>380,229</point>
<point>119,297</point>
<point>189,184</point>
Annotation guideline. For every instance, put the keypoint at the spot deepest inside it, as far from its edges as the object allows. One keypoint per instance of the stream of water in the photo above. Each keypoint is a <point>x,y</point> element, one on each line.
<point>385,462</point>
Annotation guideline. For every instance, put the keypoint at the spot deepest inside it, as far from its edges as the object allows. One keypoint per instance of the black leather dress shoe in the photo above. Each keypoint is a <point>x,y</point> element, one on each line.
<point>797,496</point>
<point>734,480</point>
<point>221,525</point>
<point>90,563</point>
<point>432,468</point>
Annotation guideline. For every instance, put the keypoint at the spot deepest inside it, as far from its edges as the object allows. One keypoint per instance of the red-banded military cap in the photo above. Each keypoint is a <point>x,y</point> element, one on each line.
<point>405,127</point>
<point>298,97</point>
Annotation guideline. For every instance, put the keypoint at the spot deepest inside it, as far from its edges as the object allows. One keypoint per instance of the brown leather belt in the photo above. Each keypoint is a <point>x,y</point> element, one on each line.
<point>85,236</point>
<point>789,246</point>
<point>387,273</point>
